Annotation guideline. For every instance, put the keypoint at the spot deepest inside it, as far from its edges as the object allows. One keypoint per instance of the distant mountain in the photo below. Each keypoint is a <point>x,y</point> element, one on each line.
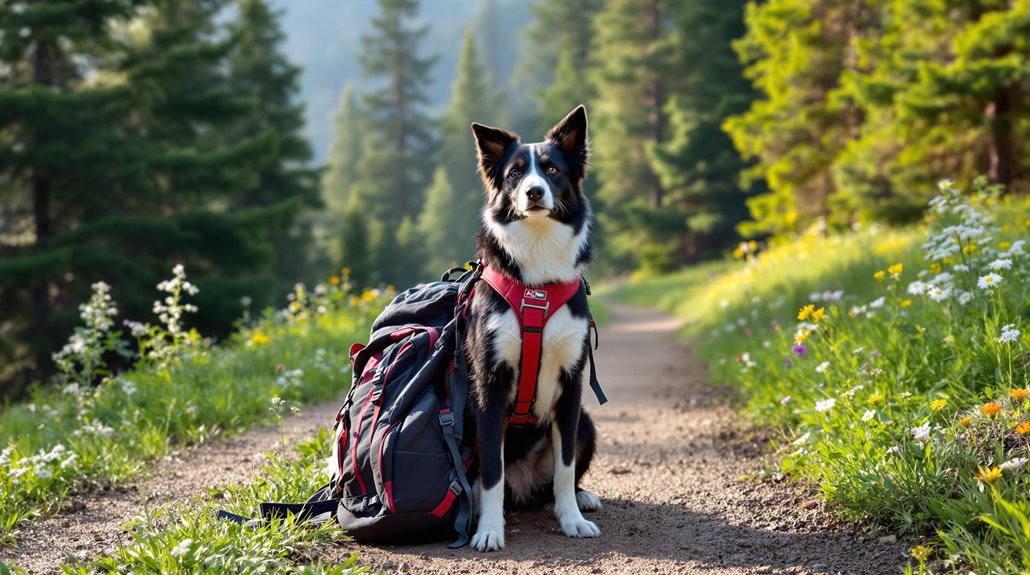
<point>324,37</point>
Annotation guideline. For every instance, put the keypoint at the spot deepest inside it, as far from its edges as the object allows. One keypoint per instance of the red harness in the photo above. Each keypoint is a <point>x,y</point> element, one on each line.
<point>533,306</point>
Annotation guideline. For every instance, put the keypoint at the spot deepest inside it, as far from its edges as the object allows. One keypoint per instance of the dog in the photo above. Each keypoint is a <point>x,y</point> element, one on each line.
<point>535,231</point>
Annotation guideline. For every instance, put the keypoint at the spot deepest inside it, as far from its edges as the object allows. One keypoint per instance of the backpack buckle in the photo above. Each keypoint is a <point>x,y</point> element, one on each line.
<point>446,418</point>
<point>377,393</point>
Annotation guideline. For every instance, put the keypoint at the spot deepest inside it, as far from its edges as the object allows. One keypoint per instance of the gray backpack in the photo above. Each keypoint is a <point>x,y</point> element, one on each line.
<point>399,457</point>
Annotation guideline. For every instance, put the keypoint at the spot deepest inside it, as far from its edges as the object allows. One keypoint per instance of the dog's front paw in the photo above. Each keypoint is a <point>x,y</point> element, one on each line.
<point>579,528</point>
<point>587,501</point>
<point>488,539</point>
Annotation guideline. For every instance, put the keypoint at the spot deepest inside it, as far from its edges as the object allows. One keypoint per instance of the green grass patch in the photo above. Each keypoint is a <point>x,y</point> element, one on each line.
<point>184,539</point>
<point>900,390</point>
<point>96,429</point>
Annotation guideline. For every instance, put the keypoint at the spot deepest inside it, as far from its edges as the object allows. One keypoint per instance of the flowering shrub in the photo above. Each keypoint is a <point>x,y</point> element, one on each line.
<point>97,427</point>
<point>897,362</point>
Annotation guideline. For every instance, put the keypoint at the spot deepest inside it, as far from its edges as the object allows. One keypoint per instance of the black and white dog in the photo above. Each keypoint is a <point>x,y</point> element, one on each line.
<point>535,231</point>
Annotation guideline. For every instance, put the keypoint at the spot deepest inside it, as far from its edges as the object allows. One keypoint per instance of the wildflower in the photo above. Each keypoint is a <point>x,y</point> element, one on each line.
<point>916,288</point>
<point>991,409</point>
<point>989,281</point>
<point>880,275</point>
<point>801,335</point>
<point>279,368</point>
<point>906,303</point>
<point>894,449</point>
<point>874,399</point>
<point>878,302</point>
<point>921,433</point>
<point>1009,334</point>
<point>182,548</point>
<point>822,367</point>
<point>939,294</point>
<point>799,350</point>
<point>277,401</point>
<point>920,553</point>
<point>817,315</point>
<point>868,415</point>
<point>334,281</point>
<point>259,338</point>
<point>785,400</point>
<point>1000,264</point>
<point>1004,246</point>
<point>989,475</point>
<point>895,270</point>
<point>965,297</point>
<point>825,405</point>
<point>1023,428</point>
<point>1014,464</point>
<point>935,268</point>
<point>966,421</point>
<point>806,312</point>
<point>938,404</point>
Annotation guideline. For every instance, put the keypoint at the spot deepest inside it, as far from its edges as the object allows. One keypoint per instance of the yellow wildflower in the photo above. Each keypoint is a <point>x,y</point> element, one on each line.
<point>938,404</point>
<point>970,249</point>
<point>738,254</point>
<point>259,338</point>
<point>1023,428</point>
<point>1004,246</point>
<point>896,269</point>
<point>906,303</point>
<point>966,421</point>
<point>920,553</point>
<point>991,409</point>
<point>345,272</point>
<point>880,275</point>
<point>989,475</point>
<point>334,281</point>
<point>752,245</point>
<point>874,399</point>
<point>935,268</point>
<point>817,315</point>
<point>949,261</point>
<point>1018,395</point>
<point>801,336</point>
<point>367,296</point>
<point>806,312</point>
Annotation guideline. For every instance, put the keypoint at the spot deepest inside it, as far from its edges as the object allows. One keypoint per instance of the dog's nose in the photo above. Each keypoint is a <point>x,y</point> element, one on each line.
<point>535,193</point>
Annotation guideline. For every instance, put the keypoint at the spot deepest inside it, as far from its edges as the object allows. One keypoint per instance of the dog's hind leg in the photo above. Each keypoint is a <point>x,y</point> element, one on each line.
<point>564,432</point>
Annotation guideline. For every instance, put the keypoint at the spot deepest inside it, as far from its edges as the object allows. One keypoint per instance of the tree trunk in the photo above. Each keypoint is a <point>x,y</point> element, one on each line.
<point>41,188</point>
<point>656,97</point>
<point>1003,155</point>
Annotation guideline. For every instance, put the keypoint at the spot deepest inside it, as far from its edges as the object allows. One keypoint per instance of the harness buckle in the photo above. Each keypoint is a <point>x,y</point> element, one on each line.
<point>544,308</point>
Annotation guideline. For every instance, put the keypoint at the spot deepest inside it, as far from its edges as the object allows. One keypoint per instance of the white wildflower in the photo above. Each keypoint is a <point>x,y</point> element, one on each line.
<point>868,415</point>
<point>822,367</point>
<point>939,294</point>
<point>182,548</point>
<point>1014,464</point>
<point>1009,334</point>
<point>917,288</point>
<point>878,302</point>
<point>965,297</point>
<point>921,433</point>
<point>989,281</point>
<point>1000,264</point>
<point>825,405</point>
<point>277,401</point>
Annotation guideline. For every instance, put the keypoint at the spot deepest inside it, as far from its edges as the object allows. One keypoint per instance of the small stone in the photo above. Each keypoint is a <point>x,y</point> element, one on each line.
<point>888,539</point>
<point>619,470</point>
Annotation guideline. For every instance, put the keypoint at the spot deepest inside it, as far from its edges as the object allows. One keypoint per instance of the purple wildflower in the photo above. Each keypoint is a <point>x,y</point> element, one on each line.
<point>799,350</point>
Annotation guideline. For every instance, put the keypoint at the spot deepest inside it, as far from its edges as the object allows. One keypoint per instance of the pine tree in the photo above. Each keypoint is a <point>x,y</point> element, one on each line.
<point>345,154</point>
<point>58,138</point>
<point>258,67</point>
<point>698,165</point>
<point>555,66</point>
<point>437,224</point>
<point>797,52</point>
<point>472,100</point>
<point>633,80</point>
<point>397,144</point>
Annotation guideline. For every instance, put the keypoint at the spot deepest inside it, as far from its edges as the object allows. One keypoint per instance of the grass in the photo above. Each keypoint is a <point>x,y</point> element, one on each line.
<point>901,389</point>
<point>181,538</point>
<point>97,429</point>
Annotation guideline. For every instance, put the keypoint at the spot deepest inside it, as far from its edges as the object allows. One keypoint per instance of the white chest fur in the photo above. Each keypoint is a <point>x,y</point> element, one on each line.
<point>545,249</point>
<point>564,335</point>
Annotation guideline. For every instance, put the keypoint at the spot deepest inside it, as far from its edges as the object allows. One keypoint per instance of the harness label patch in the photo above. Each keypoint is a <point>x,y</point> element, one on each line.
<point>535,294</point>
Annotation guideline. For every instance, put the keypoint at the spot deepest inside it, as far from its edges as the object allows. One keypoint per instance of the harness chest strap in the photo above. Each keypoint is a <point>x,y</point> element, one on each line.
<point>533,306</point>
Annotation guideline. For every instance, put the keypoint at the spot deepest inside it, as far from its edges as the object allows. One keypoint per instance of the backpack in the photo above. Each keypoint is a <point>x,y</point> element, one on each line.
<point>399,462</point>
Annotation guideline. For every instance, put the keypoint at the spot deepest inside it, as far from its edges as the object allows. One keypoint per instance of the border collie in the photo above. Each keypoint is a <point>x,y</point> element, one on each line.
<point>535,230</point>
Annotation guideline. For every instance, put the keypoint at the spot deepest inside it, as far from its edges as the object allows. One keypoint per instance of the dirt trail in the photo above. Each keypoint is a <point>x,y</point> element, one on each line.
<point>88,526</point>
<point>670,471</point>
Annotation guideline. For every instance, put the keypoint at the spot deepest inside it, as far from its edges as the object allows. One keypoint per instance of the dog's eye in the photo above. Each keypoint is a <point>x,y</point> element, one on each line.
<point>514,173</point>
<point>552,170</point>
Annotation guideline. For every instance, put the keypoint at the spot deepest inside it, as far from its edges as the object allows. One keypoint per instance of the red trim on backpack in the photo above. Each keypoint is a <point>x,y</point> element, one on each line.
<point>533,306</point>
<point>444,505</point>
<point>373,362</point>
<point>388,488</point>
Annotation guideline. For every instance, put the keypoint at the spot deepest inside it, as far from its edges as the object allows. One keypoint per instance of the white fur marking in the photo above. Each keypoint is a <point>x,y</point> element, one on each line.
<point>566,507</point>
<point>534,178</point>
<point>562,347</point>
<point>545,249</point>
<point>490,531</point>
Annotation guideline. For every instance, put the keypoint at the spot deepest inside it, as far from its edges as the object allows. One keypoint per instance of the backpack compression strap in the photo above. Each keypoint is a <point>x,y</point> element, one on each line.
<point>533,306</point>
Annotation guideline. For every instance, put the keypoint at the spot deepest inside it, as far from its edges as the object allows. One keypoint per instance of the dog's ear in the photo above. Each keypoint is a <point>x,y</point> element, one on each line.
<point>491,144</point>
<point>571,135</point>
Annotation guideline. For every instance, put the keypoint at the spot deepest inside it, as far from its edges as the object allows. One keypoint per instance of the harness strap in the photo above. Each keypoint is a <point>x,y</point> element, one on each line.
<point>533,306</point>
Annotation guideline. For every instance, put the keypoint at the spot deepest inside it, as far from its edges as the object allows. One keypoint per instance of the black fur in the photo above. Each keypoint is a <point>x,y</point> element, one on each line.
<point>503,160</point>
